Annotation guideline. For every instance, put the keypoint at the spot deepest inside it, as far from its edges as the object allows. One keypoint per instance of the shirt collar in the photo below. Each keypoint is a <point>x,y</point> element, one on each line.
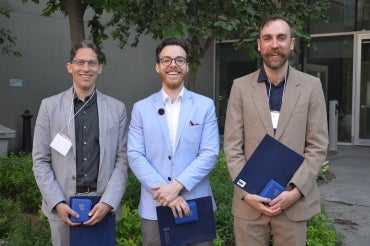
<point>166,97</point>
<point>76,99</point>
<point>262,76</point>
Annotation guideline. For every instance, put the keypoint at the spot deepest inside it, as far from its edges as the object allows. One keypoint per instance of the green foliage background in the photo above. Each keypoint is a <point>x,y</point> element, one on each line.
<point>21,222</point>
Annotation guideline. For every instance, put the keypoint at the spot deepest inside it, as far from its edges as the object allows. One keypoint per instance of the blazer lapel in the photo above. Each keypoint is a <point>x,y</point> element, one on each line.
<point>291,96</point>
<point>68,107</point>
<point>103,128</point>
<point>184,114</point>
<point>162,119</point>
<point>261,101</point>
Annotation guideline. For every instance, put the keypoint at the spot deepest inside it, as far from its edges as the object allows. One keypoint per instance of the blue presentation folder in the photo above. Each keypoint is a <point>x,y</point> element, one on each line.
<point>272,189</point>
<point>82,206</point>
<point>102,233</point>
<point>198,230</point>
<point>270,160</point>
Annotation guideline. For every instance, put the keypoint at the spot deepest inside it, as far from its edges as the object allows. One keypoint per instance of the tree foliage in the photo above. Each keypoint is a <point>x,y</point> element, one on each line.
<point>7,40</point>
<point>199,22</point>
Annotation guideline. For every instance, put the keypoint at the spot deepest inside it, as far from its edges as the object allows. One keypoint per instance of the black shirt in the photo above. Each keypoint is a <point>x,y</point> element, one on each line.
<point>87,141</point>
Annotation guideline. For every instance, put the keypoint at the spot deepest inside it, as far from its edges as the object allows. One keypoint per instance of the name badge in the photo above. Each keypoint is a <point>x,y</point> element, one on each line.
<point>61,143</point>
<point>275,118</point>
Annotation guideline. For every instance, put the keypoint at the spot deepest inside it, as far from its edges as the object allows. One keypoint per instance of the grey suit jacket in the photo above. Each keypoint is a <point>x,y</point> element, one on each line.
<point>55,174</point>
<point>302,126</point>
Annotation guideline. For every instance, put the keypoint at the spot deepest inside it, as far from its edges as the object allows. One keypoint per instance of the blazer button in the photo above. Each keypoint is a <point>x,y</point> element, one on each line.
<point>73,177</point>
<point>169,157</point>
<point>169,179</point>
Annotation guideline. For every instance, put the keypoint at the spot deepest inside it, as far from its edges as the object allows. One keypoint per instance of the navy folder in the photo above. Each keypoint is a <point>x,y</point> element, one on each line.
<point>102,233</point>
<point>202,229</point>
<point>270,160</point>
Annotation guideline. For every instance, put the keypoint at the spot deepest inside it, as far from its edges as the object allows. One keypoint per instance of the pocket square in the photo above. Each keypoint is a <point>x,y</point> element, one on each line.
<point>193,124</point>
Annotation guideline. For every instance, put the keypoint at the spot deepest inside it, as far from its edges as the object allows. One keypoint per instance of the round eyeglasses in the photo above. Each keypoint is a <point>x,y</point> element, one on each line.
<point>166,60</point>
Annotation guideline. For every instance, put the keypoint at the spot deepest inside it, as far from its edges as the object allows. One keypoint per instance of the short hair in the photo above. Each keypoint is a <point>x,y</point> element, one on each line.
<point>275,17</point>
<point>168,42</point>
<point>85,44</point>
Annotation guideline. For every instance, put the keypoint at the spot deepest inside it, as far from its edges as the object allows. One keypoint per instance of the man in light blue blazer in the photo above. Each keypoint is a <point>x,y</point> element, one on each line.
<point>90,158</point>
<point>173,142</point>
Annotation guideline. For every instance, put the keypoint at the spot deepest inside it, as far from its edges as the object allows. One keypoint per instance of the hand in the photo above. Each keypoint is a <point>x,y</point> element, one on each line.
<point>64,212</point>
<point>259,203</point>
<point>179,207</point>
<point>166,193</point>
<point>98,213</point>
<point>286,199</point>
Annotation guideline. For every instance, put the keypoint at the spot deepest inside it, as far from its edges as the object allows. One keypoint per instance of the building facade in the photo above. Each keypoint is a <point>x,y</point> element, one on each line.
<point>341,59</point>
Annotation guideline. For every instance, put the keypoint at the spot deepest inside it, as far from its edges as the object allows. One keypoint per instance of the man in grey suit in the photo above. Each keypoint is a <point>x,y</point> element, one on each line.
<point>289,105</point>
<point>79,147</point>
<point>173,142</point>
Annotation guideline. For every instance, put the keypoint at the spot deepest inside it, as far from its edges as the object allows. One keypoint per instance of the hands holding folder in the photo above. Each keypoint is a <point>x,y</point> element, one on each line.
<point>269,170</point>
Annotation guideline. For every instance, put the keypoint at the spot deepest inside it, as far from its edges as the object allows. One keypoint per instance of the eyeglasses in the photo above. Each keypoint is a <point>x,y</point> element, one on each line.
<point>91,63</point>
<point>166,61</point>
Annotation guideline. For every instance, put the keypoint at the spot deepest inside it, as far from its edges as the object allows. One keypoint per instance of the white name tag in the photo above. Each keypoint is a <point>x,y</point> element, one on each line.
<point>61,143</point>
<point>275,118</point>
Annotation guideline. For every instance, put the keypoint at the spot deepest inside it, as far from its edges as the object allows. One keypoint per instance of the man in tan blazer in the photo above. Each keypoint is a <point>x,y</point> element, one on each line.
<point>289,105</point>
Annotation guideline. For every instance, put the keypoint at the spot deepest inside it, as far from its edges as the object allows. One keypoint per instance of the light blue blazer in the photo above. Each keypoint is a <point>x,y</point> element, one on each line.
<point>195,154</point>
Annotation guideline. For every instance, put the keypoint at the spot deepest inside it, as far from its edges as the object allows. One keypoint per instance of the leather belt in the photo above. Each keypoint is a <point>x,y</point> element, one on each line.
<point>85,189</point>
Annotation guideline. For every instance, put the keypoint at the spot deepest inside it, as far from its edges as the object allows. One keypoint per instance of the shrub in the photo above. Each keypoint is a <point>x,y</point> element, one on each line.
<point>18,228</point>
<point>9,211</point>
<point>18,183</point>
<point>321,231</point>
<point>20,196</point>
<point>222,188</point>
<point>128,232</point>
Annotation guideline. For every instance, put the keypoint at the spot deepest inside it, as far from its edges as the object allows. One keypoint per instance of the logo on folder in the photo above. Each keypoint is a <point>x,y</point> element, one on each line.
<point>81,206</point>
<point>241,183</point>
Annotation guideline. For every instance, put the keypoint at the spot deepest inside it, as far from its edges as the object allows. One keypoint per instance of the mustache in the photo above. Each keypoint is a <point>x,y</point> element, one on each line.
<point>276,52</point>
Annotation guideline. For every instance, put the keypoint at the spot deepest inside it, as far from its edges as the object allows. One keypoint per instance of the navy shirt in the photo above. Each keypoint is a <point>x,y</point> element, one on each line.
<point>275,93</point>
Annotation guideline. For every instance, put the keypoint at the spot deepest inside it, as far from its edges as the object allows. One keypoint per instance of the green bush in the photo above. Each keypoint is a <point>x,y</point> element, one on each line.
<point>18,228</point>
<point>128,231</point>
<point>18,183</point>
<point>20,196</point>
<point>9,211</point>
<point>223,188</point>
<point>321,231</point>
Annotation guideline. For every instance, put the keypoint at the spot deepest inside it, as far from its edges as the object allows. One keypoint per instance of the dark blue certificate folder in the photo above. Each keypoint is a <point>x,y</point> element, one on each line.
<point>270,160</point>
<point>102,233</point>
<point>199,230</point>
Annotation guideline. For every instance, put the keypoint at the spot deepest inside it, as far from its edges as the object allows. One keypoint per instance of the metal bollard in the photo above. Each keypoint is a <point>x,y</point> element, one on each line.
<point>333,125</point>
<point>27,143</point>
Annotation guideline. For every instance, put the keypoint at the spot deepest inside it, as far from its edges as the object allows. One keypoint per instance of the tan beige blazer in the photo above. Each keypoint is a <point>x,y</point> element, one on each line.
<point>302,126</point>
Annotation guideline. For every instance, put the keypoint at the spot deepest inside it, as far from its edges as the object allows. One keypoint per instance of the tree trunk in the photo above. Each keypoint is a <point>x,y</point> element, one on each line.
<point>75,11</point>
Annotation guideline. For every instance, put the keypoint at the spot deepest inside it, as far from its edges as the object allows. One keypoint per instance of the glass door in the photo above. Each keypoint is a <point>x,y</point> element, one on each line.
<point>362,91</point>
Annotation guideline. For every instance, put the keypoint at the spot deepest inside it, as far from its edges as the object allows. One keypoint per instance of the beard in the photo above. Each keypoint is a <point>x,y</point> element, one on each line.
<point>275,59</point>
<point>172,83</point>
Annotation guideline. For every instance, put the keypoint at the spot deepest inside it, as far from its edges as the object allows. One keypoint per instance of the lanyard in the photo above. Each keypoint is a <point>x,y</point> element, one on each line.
<point>70,113</point>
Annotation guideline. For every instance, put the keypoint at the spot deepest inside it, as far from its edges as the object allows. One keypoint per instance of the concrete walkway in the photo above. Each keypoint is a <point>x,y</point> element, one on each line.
<point>346,198</point>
